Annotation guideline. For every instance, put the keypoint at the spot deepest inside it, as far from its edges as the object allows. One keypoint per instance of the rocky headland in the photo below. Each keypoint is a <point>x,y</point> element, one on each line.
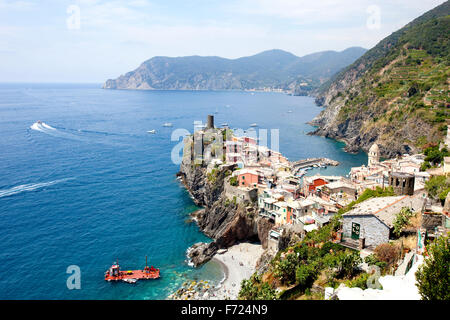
<point>225,219</point>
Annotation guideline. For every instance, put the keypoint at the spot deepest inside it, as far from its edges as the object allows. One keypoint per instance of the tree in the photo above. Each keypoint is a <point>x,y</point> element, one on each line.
<point>438,187</point>
<point>347,261</point>
<point>434,155</point>
<point>402,220</point>
<point>305,274</point>
<point>285,269</point>
<point>255,289</point>
<point>433,277</point>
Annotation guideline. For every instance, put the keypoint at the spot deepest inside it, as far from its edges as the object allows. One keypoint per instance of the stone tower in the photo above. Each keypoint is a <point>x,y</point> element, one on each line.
<point>374,155</point>
<point>210,122</point>
<point>403,183</point>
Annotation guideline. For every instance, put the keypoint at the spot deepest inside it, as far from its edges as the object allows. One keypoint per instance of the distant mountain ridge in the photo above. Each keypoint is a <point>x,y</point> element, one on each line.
<point>396,94</point>
<point>275,69</point>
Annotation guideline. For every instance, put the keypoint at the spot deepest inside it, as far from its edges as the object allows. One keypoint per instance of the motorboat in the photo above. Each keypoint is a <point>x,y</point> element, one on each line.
<point>151,131</point>
<point>168,124</point>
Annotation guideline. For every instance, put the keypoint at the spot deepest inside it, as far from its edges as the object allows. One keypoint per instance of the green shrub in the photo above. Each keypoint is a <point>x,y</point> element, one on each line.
<point>285,269</point>
<point>306,274</point>
<point>438,187</point>
<point>360,281</point>
<point>433,278</point>
<point>255,289</point>
<point>402,219</point>
<point>234,181</point>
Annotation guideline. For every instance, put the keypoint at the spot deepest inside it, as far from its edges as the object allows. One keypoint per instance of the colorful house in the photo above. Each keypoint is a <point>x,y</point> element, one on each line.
<point>311,183</point>
<point>248,178</point>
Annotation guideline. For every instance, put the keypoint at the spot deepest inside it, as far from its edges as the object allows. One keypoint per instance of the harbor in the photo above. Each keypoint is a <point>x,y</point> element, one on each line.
<point>301,166</point>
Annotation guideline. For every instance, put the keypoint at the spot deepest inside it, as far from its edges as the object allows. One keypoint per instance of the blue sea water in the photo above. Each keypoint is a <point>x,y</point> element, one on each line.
<point>90,185</point>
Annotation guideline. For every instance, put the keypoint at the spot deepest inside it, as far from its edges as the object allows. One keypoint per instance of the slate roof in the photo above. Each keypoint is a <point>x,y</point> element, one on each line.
<point>386,208</point>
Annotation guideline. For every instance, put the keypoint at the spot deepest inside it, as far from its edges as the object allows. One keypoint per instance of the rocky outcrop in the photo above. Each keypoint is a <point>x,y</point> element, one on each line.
<point>202,252</point>
<point>263,263</point>
<point>225,221</point>
<point>264,226</point>
<point>290,235</point>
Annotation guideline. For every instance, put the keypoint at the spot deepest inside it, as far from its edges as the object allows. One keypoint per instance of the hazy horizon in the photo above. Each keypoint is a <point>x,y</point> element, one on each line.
<point>89,41</point>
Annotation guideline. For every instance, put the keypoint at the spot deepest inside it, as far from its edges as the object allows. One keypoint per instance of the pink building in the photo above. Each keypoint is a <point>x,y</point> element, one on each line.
<point>248,178</point>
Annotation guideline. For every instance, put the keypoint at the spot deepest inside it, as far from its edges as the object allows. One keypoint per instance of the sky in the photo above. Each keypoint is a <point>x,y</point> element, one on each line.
<point>94,40</point>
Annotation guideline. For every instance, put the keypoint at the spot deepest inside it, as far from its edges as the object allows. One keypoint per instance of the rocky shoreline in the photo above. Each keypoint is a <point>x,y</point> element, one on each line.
<point>238,262</point>
<point>226,223</point>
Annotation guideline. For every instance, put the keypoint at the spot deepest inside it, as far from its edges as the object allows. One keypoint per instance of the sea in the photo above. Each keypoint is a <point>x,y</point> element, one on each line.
<point>83,184</point>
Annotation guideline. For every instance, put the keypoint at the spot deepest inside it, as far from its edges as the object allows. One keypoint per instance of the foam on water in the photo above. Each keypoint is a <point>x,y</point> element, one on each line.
<point>29,187</point>
<point>41,126</point>
<point>87,136</point>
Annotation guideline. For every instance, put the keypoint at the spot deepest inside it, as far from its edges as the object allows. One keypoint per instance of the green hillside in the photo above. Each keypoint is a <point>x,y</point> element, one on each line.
<point>275,69</point>
<point>397,93</point>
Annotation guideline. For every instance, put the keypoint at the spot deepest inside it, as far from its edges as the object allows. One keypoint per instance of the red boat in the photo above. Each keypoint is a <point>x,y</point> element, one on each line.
<point>131,276</point>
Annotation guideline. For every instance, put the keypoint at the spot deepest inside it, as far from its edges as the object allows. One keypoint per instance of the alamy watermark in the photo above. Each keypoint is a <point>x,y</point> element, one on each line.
<point>73,21</point>
<point>74,280</point>
<point>373,22</point>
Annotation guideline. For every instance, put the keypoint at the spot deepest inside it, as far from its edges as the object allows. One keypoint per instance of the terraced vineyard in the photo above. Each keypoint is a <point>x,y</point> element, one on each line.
<point>397,94</point>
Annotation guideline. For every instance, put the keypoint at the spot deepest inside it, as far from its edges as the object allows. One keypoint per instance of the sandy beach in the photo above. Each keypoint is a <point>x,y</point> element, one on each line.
<point>239,263</point>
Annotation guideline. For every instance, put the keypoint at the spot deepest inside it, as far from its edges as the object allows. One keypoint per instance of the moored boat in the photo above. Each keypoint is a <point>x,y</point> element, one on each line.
<point>131,276</point>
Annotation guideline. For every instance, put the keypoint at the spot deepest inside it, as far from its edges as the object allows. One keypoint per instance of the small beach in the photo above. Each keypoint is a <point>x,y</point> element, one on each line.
<point>239,263</point>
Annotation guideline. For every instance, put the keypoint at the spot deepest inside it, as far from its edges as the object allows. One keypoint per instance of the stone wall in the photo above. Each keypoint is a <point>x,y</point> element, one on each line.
<point>431,221</point>
<point>242,195</point>
<point>373,230</point>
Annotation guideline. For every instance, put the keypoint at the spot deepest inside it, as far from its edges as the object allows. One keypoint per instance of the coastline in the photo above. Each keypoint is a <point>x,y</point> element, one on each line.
<point>239,263</point>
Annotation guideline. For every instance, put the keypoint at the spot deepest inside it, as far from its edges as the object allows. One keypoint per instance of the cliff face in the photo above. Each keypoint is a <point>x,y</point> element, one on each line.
<point>396,94</point>
<point>225,221</point>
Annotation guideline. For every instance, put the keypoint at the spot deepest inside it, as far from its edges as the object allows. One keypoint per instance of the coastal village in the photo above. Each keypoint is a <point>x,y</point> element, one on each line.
<point>297,203</point>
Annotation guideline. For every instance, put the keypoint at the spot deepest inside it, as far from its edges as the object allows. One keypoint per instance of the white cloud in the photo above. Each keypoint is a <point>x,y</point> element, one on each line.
<point>16,5</point>
<point>117,35</point>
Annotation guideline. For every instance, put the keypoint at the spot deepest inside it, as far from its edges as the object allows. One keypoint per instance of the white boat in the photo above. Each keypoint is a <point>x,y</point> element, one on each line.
<point>224,124</point>
<point>130,280</point>
<point>151,131</point>
<point>254,125</point>
<point>290,111</point>
<point>168,124</point>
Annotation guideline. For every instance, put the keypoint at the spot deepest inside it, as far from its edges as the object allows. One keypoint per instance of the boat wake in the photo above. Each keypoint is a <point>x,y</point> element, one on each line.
<point>86,136</point>
<point>41,126</point>
<point>47,129</point>
<point>29,187</point>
